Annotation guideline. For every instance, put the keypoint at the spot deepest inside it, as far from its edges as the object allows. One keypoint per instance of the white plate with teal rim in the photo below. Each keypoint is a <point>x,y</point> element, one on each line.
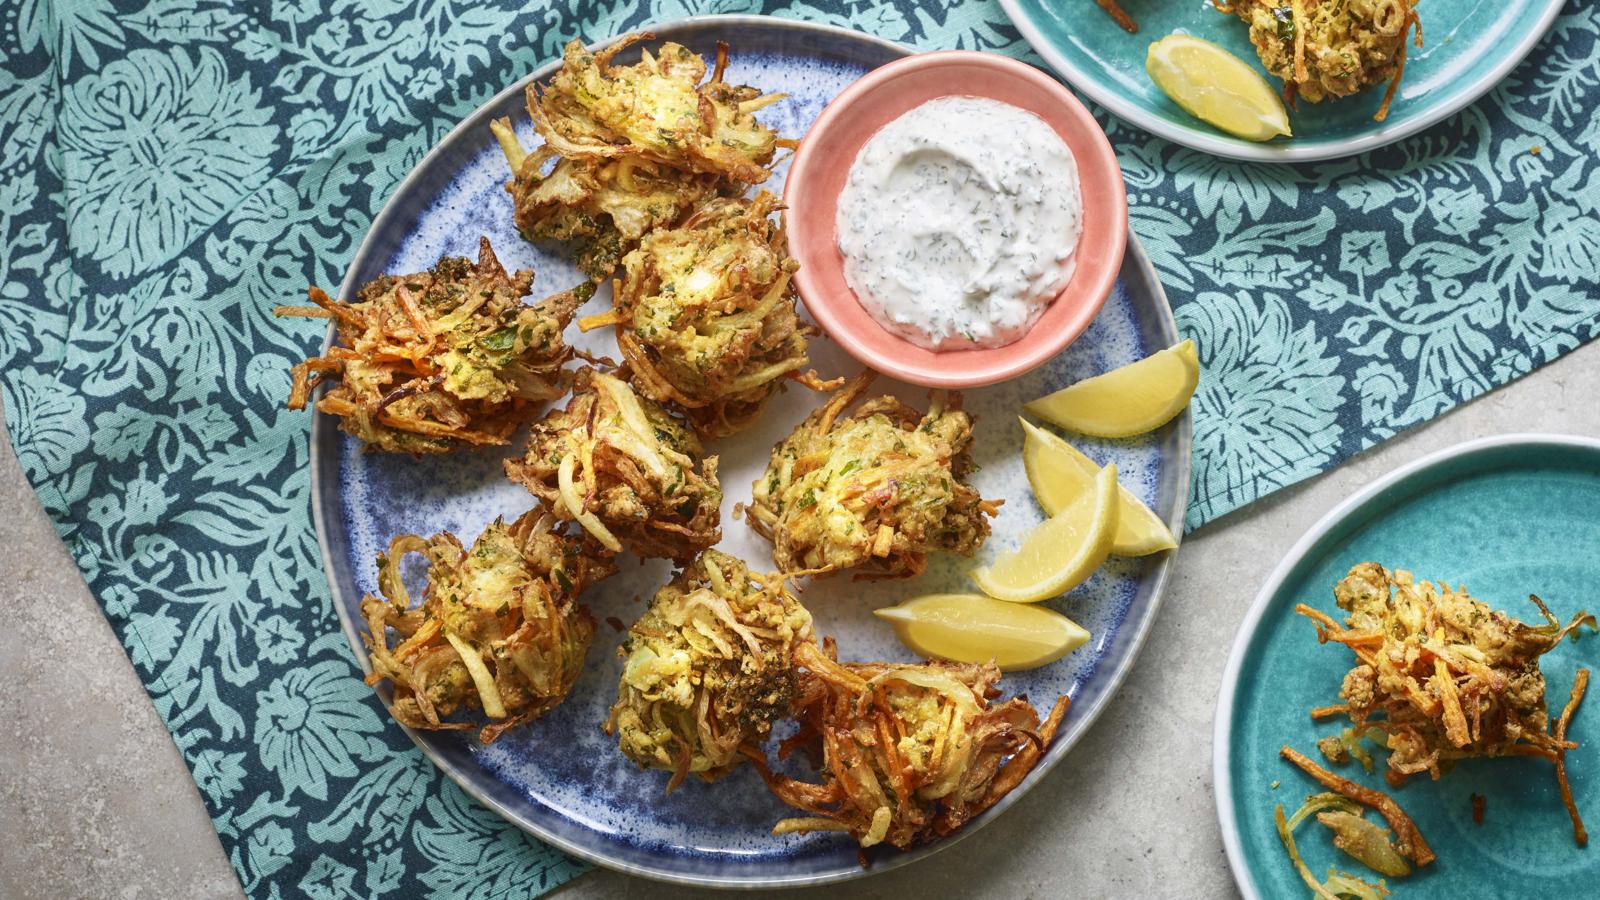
<point>1469,45</point>
<point>1505,516</point>
<point>561,778</point>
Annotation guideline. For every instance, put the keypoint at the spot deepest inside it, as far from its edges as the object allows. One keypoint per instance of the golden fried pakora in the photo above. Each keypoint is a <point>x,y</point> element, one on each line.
<point>878,489</point>
<point>499,628</point>
<point>656,109</point>
<point>438,360</point>
<point>709,668</point>
<point>909,753</point>
<point>1330,48</point>
<point>625,469</point>
<point>602,205</point>
<point>705,315</point>
<point>1440,675</point>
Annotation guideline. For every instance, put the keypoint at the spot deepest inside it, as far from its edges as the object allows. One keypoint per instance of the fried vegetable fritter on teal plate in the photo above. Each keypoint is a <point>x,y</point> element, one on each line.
<point>1330,48</point>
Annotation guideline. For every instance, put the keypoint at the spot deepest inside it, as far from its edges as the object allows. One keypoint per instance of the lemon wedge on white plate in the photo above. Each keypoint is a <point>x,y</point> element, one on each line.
<point>1133,399</point>
<point>1216,87</point>
<point>972,628</point>
<point>1059,474</point>
<point>1062,552</point>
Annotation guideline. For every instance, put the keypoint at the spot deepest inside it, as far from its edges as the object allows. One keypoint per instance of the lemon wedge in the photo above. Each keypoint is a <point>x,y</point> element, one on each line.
<point>972,628</point>
<point>1060,473</point>
<point>1060,554</point>
<point>1216,87</point>
<point>1134,399</point>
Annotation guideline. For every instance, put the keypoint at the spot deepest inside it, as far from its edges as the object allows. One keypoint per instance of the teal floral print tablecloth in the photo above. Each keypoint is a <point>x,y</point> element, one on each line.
<point>174,168</point>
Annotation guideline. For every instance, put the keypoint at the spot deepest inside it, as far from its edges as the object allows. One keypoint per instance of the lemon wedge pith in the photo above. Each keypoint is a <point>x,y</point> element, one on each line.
<point>972,628</point>
<point>1059,473</point>
<point>1062,552</point>
<point>1216,87</point>
<point>1133,399</point>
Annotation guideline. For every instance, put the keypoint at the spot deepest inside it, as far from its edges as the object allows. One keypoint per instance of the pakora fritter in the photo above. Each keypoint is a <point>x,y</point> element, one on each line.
<point>499,628</point>
<point>1440,674</point>
<point>437,360</point>
<point>909,753</point>
<point>625,469</point>
<point>600,204</point>
<point>878,489</point>
<point>1330,48</point>
<point>656,109</point>
<point>709,668</point>
<point>705,315</point>
<point>632,148</point>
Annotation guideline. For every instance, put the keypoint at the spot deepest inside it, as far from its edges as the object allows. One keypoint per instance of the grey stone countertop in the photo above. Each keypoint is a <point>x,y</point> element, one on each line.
<point>95,801</point>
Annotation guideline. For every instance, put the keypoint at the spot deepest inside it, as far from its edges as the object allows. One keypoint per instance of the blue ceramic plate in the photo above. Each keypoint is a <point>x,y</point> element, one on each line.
<point>561,778</point>
<point>1469,46</point>
<point>1506,516</point>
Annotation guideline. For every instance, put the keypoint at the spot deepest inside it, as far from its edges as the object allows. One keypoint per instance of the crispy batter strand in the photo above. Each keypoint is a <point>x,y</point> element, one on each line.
<point>1410,841</point>
<point>1580,685</point>
<point>1286,835</point>
<point>1120,16</point>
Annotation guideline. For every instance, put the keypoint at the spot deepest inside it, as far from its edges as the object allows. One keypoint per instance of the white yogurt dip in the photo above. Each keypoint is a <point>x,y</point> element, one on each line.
<point>959,223</point>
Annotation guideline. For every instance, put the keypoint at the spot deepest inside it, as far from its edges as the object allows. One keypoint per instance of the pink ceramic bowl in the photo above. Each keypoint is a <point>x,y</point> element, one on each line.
<point>822,163</point>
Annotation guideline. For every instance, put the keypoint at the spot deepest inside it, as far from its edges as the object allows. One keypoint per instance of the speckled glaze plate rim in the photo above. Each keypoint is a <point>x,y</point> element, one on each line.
<point>1335,521</point>
<point>326,517</point>
<point>1207,140</point>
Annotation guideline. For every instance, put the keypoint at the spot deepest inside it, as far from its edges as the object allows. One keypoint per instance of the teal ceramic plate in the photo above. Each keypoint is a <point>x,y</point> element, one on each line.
<point>1470,45</point>
<point>1506,516</point>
